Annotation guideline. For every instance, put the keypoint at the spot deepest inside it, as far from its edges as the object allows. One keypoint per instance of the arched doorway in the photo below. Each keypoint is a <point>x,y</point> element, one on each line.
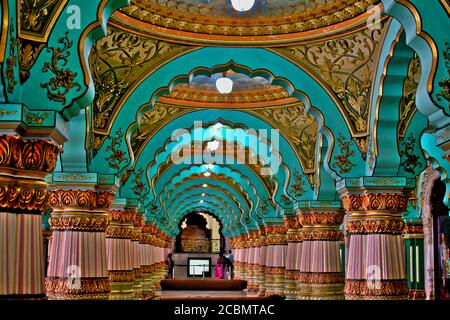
<point>441,241</point>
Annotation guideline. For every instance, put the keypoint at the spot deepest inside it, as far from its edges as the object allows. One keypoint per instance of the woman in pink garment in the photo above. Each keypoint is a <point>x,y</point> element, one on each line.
<point>220,267</point>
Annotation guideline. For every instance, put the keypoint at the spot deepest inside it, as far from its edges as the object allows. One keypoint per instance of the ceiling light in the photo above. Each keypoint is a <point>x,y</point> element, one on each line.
<point>242,5</point>
<point>213,145</point>
<point>203,194</point>
<point>224,85</point>
<point>205,185</point>
<point>201,201</point>
<point>207,174</point>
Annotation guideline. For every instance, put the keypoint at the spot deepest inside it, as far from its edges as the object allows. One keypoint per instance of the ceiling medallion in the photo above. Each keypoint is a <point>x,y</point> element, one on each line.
<point>242,5</point>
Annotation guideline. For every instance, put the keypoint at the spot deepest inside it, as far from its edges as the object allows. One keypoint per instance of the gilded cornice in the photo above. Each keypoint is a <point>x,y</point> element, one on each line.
<point>205,29</point>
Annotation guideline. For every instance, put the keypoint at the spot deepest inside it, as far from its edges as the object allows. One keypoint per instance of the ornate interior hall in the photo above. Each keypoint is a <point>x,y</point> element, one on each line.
<point>309,137</point>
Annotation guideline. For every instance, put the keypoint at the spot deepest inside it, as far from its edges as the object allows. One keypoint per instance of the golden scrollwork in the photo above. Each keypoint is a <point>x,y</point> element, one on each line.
<point>117,61</point>
<point>36,20</point>
<point>345,66</point>
<point>408,101</point>
<point>342,161</point>
<point>63,78</point>
<point>117,155</point>
<point>321,218</point>
<point>312,234</point>
<point>298,127</point>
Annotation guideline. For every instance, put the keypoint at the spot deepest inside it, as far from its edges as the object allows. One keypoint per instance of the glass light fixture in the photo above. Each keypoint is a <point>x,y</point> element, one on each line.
<point>224,85</point>
<point>205,185</point>
<point>201,201</point>
<point>242,5</point>
<point>207,174</point>
<point>203,194</point>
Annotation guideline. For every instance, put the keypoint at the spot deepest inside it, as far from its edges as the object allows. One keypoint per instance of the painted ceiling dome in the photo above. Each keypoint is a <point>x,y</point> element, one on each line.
<point>217,20</point>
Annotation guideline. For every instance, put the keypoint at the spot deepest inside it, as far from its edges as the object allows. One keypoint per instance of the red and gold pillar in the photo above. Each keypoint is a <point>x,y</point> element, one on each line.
<point>119,249</point>
<point>275,260</point>
<point>294,250</point>
<point>376,253</point>
<point>78,267</point>
<point>261,270</point>
<point>136,236</point>
<point>321,276</point>
<point>24,164</point>
<point>147,260</point>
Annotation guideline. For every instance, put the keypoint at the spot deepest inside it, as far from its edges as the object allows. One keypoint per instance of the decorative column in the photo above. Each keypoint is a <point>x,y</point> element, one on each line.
<point>120,253</point>
<point>275,260</point>
<point>321,276</point>
<point>244,257</point>
<point>294,251</point>
<point>262,261</point>
<point>237,259</point>
<point>376,255</point>
<point>147,263</point>
<point>251,263</point>
<point>24,164</point>
<point>415,259</point>
<point>78,267</point>
<point>136,236</point>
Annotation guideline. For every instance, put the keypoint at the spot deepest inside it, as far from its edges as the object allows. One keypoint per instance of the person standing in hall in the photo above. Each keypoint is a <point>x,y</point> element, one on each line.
<point>220,267</point>
<point>229,261</point>
<point>170,266</point>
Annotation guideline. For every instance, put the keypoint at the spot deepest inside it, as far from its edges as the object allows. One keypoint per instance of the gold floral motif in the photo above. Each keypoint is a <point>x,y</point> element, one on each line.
<point>444,93</point>
<point>345,65</point>
<point>319,235</point>
<point>408,102</point>
<point>118,232</point>
<point>87,286</point>
<point>298,127</point>
<point>78,223</point>
<point>117,154</point>
<point>23,197</point>
<point>321,218</point>
<point>63,80</point>
<point>393,202</point>
<point>320,278</point>
<point>75,198</point>
<point>378,289</point>
<point>123,217</point>
<point>410,161</point>
<point>139,187</point>
<point>117,61</point>
<point>11,61</point>
<point>342,161</point>
<point>121,276</point>
<point>28,154</point>
<point>375,226</point>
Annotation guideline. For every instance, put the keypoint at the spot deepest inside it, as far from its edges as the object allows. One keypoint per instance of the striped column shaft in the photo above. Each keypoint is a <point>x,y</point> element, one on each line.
<point>321,276</point>
<point>22,256</point>
<point>262,262</point>
<point>120,253</point>
<point>78,267</point>
<point>147,260</point>
<point>293,227</point>
<point>376,267</point>
<point>24,165</point>
<point>275,260</point>
<point>137,256</point>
